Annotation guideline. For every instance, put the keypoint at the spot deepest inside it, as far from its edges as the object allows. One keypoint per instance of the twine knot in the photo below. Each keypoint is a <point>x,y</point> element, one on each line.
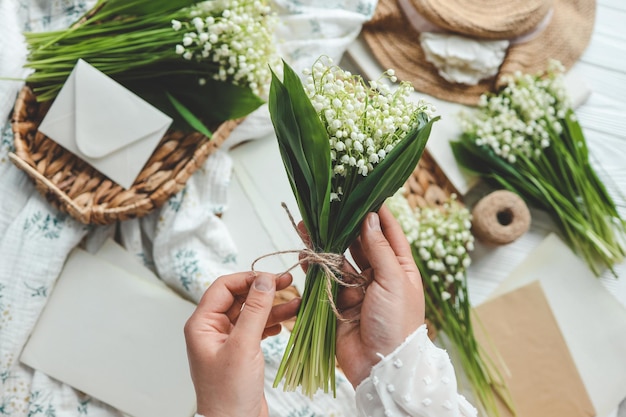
<point>331,264</point>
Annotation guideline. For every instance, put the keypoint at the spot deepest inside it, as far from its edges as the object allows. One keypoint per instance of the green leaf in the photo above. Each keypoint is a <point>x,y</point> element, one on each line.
<point>189,117</point>
<point>478,159</point>
<point>316,147</point>
<point>466,157</point>
<point>211,103</point>
<point>215,101</point>
<point>381,183</point>
<point>292,153</point>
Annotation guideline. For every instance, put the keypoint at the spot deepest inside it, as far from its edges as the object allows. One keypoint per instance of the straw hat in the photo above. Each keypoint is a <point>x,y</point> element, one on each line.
<point>539,30</point>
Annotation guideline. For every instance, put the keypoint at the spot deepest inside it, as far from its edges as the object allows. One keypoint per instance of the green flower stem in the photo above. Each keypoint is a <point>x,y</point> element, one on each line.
<point>577,205</point>
<point>545,159</point>
<point>142,44</point>
<point>454,318</point>
<point>309,358</point>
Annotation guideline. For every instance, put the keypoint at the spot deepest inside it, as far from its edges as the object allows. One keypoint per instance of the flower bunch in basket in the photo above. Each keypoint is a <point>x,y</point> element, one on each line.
<point>200,62</point>
<point>346,146</point>
<point>441,239</point>
<point>526,138</point>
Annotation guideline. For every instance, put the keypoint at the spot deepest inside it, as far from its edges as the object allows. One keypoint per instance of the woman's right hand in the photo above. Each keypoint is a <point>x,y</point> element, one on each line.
<point>379,317</point>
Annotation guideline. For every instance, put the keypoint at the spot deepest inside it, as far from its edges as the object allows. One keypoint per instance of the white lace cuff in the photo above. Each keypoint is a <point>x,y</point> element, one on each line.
<point>417,379</point>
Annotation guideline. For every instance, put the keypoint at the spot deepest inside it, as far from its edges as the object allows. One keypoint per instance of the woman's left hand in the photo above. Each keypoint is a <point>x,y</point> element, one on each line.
<point>224,342</point>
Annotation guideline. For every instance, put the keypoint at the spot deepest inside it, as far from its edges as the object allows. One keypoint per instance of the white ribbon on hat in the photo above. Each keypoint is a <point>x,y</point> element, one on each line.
<point>461,59</point>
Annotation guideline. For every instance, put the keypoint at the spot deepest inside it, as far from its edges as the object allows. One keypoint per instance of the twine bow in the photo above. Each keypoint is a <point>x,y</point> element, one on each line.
<point>332,265</point>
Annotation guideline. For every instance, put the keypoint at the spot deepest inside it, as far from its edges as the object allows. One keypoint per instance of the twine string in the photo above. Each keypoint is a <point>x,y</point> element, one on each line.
<point>331,264</point>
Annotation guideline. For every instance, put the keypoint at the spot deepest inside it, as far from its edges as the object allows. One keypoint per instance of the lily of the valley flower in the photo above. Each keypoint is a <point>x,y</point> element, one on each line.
<point>441,241</point>
<point>525,138</point>
<point>364,122</point>
<point>523,118</point>
<point>236,35</point>
<point>441,238</point>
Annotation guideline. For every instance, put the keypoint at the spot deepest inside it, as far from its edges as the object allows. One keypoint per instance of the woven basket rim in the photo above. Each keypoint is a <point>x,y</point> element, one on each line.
<point>24,158</point>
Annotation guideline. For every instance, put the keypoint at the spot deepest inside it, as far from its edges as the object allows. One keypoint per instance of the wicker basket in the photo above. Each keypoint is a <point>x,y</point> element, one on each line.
<point>78,189</point>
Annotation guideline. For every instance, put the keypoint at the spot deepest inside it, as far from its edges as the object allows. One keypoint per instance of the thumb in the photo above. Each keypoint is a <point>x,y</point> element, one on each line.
<point>378,251</point>
<point>256,310</point>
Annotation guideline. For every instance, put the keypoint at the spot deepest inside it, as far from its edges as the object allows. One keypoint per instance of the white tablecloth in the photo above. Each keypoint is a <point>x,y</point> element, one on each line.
<point>185,242</point>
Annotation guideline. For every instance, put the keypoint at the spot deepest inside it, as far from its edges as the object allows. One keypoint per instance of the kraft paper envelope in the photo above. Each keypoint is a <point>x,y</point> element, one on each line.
<point>105,124</point>
<point>116,337</point>
<point>539,371</point>
<point>592,321</point>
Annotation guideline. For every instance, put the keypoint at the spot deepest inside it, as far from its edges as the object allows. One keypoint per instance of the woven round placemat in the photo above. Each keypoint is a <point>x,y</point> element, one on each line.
<point>78,189</point>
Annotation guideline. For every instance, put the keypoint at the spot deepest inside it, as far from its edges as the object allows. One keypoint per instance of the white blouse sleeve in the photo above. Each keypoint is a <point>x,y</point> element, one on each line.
<point>416,380</point>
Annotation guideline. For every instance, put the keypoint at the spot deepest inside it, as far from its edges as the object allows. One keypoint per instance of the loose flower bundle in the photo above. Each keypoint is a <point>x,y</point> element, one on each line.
<point>200,62</point>
<point>441,240</point>
<point>346,147</point>
<point>526,138</point>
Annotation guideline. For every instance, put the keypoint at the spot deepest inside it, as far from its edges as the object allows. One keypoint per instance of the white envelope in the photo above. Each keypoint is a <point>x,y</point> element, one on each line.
<point>105,124</point>
<point>115,336</point>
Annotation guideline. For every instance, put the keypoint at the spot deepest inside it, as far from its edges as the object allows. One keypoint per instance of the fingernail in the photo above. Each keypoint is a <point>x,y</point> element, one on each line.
<point>373,221</point>
<point>263,282</point>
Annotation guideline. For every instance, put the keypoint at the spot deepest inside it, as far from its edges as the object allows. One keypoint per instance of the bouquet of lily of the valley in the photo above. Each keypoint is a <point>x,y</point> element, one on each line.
<point>200,62</point>
<point>526,138</point>
<point>441,240</point>
<point>346,147</point>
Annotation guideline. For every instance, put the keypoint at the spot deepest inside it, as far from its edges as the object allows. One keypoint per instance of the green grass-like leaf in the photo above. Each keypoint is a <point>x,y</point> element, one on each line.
<point>186,114</point>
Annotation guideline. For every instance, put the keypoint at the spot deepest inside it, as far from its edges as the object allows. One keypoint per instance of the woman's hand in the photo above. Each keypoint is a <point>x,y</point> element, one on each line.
<point>224,342</point>
<point>382,315</point>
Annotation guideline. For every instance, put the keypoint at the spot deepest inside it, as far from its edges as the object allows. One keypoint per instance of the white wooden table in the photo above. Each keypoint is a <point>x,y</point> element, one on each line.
<point>603,118</point>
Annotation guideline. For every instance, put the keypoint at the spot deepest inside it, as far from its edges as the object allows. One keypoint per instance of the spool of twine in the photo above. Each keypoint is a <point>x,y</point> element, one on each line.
<point>500,218</point>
